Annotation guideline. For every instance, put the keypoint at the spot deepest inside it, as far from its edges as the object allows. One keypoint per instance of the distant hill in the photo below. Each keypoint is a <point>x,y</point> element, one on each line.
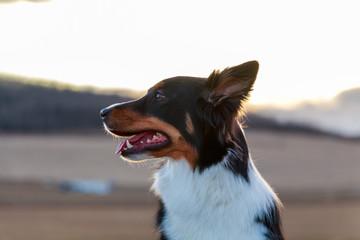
<point>29,107</point>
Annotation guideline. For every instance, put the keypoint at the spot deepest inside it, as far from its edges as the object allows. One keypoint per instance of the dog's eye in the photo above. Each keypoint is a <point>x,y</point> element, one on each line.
<point>159,96</point>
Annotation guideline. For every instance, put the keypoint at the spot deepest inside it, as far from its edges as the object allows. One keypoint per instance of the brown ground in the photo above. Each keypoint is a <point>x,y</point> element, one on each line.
<point>317,178</point>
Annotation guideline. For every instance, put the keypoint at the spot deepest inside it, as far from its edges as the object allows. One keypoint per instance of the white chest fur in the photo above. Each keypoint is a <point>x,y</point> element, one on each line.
<point>214,204</point>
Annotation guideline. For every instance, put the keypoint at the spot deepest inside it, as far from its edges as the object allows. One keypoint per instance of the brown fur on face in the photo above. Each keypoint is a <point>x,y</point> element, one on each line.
<point>126,120</point>
<point>189,124</point>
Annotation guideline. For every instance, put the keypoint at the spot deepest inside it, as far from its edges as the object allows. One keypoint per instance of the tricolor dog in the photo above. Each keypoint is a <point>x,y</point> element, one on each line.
<point>208,185</point>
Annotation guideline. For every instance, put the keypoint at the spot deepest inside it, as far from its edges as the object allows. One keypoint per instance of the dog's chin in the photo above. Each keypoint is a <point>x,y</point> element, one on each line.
<point>138,157</point>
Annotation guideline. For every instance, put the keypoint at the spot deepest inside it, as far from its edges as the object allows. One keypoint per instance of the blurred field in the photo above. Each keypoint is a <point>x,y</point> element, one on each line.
<point>317,177</point>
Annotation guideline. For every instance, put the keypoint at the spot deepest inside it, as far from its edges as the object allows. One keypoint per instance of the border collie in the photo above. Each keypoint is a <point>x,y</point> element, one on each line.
<point>208,185</point>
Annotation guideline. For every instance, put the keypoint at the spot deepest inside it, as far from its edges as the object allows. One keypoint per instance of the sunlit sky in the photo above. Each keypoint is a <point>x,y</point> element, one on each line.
<point>306,49</point>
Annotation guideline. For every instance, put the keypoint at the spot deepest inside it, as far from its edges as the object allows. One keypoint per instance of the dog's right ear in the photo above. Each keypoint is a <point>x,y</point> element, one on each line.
<point>226,91</point>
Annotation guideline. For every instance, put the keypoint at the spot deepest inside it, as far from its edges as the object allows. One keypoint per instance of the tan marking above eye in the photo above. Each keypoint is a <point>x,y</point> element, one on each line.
<point>158,85</point>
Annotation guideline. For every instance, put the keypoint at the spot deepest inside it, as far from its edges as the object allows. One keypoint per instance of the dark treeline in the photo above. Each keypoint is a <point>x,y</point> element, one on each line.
<point>254,121</point>
<point>35,108</point>
<point>32,108</point>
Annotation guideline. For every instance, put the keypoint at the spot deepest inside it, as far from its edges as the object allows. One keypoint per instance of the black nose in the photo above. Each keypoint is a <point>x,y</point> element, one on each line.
<point>104,112</point>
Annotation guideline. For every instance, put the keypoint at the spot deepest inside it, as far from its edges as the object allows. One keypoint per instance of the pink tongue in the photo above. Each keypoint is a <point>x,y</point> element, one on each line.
<point>134,139</point>
<point>120,147</point>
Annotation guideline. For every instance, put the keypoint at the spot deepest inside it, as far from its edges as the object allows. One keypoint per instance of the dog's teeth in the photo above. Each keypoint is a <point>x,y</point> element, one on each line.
<point>155,137</point>
<point>158,134</point>
<point>141,141</point>
<point>128,145</point>
<point>148,140</point>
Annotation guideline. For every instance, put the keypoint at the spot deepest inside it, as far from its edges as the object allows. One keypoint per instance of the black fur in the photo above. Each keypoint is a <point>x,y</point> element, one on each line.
<point>160,218</point>
<point>271,220</point>
<point>239,158</point>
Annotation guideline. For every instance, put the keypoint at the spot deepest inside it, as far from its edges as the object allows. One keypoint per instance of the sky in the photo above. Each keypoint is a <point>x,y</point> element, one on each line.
<point>308,50</point>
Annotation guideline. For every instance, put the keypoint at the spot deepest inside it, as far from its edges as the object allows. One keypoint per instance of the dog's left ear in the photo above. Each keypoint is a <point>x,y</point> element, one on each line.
<point>232,85</point>
<point>225,92</point>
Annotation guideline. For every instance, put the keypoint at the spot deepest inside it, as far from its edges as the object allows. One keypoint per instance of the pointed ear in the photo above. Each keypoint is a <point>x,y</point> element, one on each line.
<point>232,85</point>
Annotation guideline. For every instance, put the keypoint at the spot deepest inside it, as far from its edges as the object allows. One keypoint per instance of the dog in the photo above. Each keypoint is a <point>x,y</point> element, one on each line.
<point>208,186</point>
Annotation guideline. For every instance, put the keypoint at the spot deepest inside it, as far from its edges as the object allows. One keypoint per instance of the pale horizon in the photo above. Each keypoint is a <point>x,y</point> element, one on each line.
<point>307,51</point>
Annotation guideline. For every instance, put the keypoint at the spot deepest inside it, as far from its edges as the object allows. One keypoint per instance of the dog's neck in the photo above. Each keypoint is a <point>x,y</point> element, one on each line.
<point>214,203</point>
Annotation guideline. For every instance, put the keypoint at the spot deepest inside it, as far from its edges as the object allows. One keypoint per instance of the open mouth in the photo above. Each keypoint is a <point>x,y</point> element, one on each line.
<point>133,143</point>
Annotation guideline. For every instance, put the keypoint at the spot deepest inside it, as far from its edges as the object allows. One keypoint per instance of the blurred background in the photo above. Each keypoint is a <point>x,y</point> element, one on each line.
<point>63,61</point>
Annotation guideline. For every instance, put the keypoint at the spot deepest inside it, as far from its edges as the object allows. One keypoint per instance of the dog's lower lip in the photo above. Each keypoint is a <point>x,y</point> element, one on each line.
<point>132,151</point>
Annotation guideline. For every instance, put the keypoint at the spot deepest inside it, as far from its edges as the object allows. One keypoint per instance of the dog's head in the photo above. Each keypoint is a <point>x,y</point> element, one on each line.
<point>184,117</point>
